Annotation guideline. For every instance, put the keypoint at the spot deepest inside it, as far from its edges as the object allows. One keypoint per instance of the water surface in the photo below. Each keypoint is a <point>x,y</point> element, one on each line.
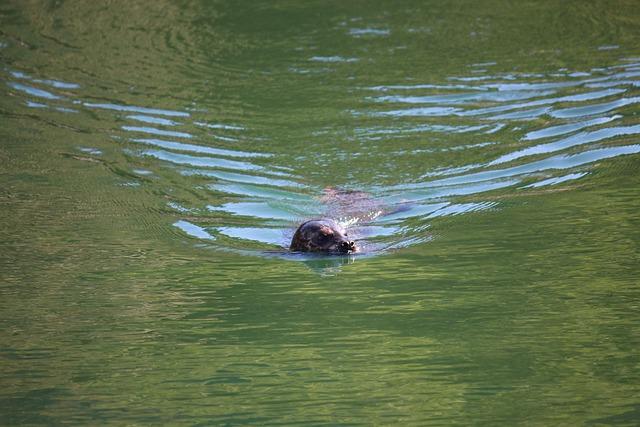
<point>156,159</point>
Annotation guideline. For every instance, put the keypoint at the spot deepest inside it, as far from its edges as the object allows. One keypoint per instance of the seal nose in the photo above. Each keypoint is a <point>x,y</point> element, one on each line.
<point>347,247</point>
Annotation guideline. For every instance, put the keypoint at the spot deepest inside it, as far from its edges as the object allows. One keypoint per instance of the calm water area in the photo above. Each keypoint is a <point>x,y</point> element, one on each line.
<point>156,157</point>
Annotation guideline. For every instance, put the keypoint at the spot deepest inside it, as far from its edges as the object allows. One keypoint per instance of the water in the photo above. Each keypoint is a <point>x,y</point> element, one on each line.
<point>156,158</point>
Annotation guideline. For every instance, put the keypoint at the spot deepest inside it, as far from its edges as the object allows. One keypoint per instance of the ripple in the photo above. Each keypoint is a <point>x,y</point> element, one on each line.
<point>134,109</point>
<point>254,197</point>
<point>153,120</point>
<point>459,107</point>
<point>400,130</point>
<point>427,191</point>
<point>179,146</point>
<point>568,128</point>
<point>413,210</point>
<point>417,112</point>
<point>269,210</point>
<point>155,131</point>
<point>459,209</point>
<point>592,110</point>
<point>193,230</point>
<point>332,59</point>
<point>572,141</point>
<point>32,104</point>
<point>203,161</point>
<point>463,98</point>
<point>386,88</point>
<point>49,82</point>
<point>219,126</point>
<point>523,115</point>
<point>557,162</point>
<point>237,177</point>
<point>270,236</point>
<point>557,180</point>
<point>358,32</point>
<point>33,91</point>
<point>261,191</point>
<point>588,96</point>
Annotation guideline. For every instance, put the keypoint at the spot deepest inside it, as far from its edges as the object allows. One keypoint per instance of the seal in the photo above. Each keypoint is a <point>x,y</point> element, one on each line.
<point>353,207</point>
<point>322,235</point>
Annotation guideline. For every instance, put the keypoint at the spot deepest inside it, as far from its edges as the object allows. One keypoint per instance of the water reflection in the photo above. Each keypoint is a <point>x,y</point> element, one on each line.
<point>571,141</point>
<point>30,90</point>
<point>254,196</point>
<point>157,158</point>
<point>192,229</point>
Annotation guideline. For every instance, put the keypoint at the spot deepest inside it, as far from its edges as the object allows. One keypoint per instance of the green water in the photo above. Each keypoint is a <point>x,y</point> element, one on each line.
<point>156,157</point>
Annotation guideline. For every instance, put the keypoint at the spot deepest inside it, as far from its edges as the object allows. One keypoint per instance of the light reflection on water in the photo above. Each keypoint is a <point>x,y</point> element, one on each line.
<point>257,187</point>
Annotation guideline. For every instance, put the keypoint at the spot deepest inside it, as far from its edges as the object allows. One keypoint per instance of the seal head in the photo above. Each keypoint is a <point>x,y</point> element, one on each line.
<point>322,235</point>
